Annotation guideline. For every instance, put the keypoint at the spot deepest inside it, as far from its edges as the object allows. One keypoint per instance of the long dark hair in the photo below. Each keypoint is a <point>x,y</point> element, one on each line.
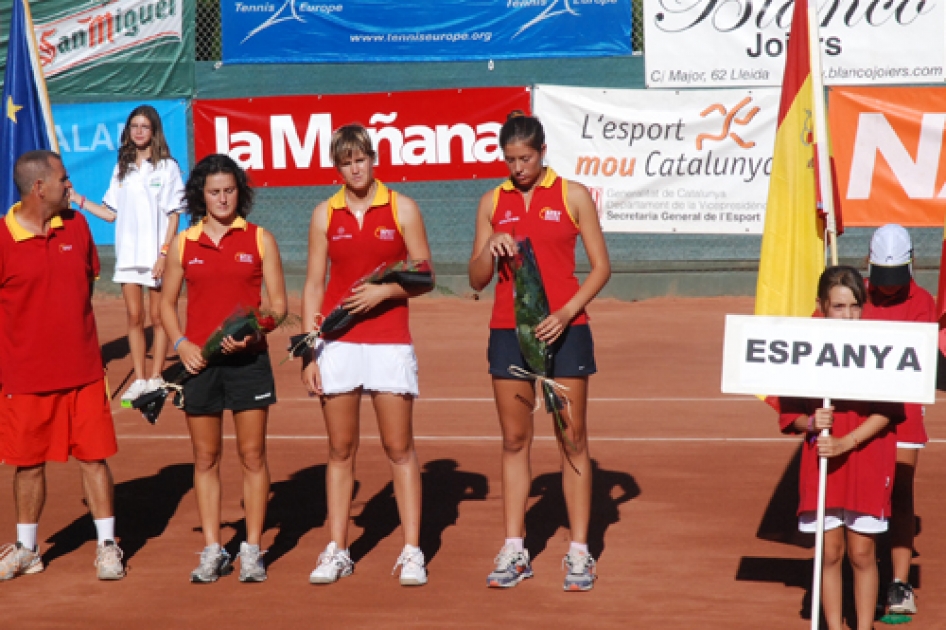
<point>522,128</point>
<point>212,165</point>
<point>128,152</point>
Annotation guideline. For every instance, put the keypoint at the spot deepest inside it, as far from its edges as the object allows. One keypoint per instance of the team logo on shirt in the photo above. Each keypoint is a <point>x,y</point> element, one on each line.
<point>384,234</point>
<point>155,182</point>
<point>243,258</point>
<point>548,214</point>
<point>65,247</point>
<point>341,234</point>
<point>508,218</point>
<point>195,261</point>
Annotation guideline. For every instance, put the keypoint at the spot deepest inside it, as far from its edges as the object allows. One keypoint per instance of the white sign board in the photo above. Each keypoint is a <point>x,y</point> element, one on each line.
<point>708,43</point>
<point>830,358</point>
<point>693,162</point>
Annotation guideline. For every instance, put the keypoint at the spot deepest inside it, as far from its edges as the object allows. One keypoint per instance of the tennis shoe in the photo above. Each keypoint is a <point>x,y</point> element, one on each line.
<point>214,564</point>
<point>108,561</point>
<point>17,560</point>
<point>252,568</point>
<point>154,384</point>
<point>900,599</point>
<point>334,563</point>
<point>512,567</point>
<point>411,562</point>
<point>581,574</point>
<point>134,390</point>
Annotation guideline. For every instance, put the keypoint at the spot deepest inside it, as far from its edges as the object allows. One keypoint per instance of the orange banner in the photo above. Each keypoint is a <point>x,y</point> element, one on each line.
<point>890,155</point>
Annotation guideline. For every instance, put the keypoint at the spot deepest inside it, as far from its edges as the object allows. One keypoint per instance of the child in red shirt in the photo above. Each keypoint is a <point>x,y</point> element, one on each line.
<point>861,452</point>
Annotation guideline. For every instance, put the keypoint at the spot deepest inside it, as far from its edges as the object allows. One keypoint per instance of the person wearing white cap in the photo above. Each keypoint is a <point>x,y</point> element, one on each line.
<point>893,295</point>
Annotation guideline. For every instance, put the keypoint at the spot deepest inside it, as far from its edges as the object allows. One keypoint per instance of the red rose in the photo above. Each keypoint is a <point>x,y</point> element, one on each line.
<point>267,324</point>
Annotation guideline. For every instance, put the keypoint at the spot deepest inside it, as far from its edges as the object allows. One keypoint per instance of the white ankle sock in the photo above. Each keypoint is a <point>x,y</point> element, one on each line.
<point>579,547</point>
<point>105,529</point>
<point>516,543</point>
<point>26,535</point>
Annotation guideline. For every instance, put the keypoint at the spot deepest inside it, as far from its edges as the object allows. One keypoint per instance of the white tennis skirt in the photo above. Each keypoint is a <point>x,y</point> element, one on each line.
<point>135,275</point>
<point>377,367</point>
<point>836,517</point>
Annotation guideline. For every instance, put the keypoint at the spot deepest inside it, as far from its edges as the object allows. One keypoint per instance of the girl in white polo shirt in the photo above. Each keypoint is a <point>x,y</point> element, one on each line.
<point>143,198</point>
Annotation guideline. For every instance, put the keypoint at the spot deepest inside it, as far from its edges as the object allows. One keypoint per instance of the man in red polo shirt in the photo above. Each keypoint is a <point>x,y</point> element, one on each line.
<point>53,401</point>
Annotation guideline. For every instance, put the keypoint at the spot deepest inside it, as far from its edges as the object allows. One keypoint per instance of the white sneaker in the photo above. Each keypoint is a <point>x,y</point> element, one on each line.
<point>134,390</point>
<point>411,562</point>
<point>334,563</point>
<point>154,384</point>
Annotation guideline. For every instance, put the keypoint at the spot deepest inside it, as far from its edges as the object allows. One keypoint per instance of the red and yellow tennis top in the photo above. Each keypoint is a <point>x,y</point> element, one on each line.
<point>355,251</point>
<point>553,230</point>
<point>221,278</point>
<point>48,340</point>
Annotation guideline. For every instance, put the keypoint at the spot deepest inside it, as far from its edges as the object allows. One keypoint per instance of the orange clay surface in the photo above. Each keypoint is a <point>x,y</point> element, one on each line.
<point>693,518</point>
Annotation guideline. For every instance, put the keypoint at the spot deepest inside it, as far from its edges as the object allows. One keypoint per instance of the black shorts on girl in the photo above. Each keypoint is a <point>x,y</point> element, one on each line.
<point>236,382</point>
<point>574,353</point>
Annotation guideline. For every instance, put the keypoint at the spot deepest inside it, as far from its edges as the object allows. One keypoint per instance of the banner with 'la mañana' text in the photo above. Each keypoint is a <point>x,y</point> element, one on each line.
<point>320,31</point>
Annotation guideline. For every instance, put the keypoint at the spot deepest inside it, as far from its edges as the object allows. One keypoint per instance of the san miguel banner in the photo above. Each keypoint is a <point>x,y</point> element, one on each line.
<point>708,43</point>
<point>689,162</point>
<point>92,49</point>
<point>424,135</point>
<point>319,31</point>
<point>813,357</point>
<point>889,154</point>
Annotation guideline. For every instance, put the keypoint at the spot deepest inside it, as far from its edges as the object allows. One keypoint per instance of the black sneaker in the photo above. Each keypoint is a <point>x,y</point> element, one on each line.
<point>900,599</point>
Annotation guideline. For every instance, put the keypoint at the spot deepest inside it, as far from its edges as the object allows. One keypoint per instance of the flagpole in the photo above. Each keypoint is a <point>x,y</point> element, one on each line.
<point>819,533</point>
<point>821,130</point>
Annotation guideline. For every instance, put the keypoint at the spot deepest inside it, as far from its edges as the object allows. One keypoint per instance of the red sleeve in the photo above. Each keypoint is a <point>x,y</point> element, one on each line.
<point>925,307</point>
<point>790,410</point>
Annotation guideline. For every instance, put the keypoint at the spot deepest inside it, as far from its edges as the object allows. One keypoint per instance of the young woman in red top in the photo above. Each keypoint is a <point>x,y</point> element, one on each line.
<point>553,213</point>
<point>225,261</point>
<point>363,226</point>
<point>861,452</point>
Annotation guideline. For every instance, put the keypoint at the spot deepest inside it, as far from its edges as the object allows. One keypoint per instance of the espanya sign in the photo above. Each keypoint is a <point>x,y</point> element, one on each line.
<point>829,358</point>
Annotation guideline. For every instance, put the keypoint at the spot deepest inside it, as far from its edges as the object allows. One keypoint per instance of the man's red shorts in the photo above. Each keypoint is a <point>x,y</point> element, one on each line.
<point>38,428</point>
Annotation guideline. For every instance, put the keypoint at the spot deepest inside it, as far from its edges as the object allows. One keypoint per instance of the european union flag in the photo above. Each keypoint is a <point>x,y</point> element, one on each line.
<point>27,121</point>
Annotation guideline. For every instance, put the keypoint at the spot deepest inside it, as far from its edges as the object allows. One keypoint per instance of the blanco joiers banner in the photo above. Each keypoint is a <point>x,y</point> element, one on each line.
<point>830,358</point>
<point>708,43</point>
<point>694,162</point>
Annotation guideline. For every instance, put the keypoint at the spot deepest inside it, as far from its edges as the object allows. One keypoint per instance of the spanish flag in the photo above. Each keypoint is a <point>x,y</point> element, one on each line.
<point>792,257</point>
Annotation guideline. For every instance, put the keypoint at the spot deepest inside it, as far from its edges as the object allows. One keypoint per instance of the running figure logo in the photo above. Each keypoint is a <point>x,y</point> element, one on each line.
<point>729,119</point>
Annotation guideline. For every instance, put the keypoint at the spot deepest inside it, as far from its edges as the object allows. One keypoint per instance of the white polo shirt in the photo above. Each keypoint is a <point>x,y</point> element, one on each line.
<point>143,201</point>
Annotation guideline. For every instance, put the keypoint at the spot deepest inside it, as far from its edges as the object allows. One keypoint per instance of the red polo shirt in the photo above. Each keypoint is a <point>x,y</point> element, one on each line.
<point>48,340</point>
<point>221,278</point>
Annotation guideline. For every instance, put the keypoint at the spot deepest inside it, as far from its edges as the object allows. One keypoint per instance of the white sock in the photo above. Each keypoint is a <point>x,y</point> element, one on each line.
<point>578,547</point>
<point>26,535</point>
<point>516,543</point>
<point>105,528</point>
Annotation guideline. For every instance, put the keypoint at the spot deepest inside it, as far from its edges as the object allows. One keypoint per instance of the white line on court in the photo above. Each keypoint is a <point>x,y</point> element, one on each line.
<point>490,400</point>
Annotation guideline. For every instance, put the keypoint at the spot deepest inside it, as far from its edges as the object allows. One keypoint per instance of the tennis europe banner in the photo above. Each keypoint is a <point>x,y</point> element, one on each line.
<point>813,357</point>
<point>320,31</point>
<point>890,154</point>
<point>693,162</point>
<point>419,136</point>
<point>706,43</point>
<point>94,49</point>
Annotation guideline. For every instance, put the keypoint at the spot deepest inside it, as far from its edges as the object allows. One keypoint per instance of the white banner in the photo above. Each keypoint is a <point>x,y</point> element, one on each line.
<point>93,34</point>
<point>830,358</point>
<point>694,162</point>
<point>709,43</point>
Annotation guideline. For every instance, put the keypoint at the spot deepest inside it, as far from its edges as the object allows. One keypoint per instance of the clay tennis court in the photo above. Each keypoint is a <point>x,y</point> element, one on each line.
<point>693,517</point>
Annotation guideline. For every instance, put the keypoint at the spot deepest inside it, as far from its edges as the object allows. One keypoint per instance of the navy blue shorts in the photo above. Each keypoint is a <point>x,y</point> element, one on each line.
<point>574,353</point>
<point>236,382</point>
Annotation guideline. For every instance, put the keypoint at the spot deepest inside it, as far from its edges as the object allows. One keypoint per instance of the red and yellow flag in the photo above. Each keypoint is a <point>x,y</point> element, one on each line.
<point>792,257</point>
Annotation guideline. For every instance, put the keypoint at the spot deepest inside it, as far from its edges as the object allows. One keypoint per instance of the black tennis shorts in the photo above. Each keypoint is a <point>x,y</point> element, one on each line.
<point>574,353</point>
<point>238,382</point>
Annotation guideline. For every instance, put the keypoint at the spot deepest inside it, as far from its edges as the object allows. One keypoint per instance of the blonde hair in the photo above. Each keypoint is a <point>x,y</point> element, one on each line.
<point>348,139</point>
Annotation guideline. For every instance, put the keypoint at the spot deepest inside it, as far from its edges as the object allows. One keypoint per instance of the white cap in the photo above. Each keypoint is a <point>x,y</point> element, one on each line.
<point>891,252</point>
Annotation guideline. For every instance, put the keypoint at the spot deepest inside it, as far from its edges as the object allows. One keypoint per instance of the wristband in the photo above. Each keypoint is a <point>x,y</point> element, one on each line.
<point>179,342</point>
<point>811,424</point>
<point>164,249</point>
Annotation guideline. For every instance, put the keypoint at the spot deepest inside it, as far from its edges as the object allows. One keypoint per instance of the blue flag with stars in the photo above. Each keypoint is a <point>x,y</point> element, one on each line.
<point>27,122</point>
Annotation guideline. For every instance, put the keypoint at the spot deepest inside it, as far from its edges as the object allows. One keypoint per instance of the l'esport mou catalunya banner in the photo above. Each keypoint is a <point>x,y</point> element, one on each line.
<point>708,43</point>
<point>889,154</point>
<point>319,31</point>
<point>424,135</point>
<point>109,48</point>
<point>655,161</point>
